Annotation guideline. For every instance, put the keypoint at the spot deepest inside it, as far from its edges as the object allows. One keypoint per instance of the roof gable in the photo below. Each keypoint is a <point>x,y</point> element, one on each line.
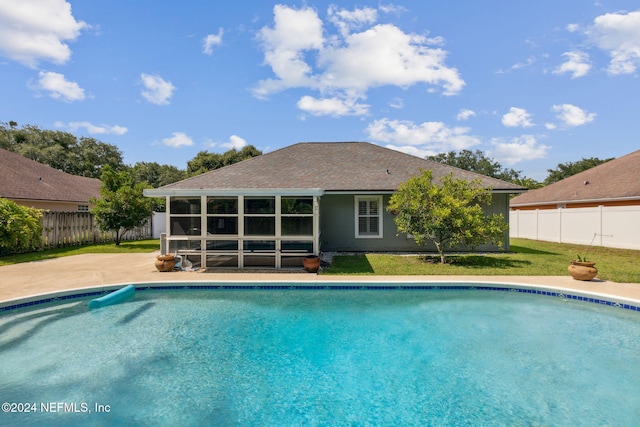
<point>330,166</point>
<point>614,180</point>
<point>23,178</point>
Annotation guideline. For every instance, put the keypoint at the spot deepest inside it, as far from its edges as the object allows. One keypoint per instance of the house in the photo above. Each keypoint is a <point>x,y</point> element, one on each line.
<point>40,186</point>
<point>274,209</point>
<point>614,183</point>
<point>598,206</point>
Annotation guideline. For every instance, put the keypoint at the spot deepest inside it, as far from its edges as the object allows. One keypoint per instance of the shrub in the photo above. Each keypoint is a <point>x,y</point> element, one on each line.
<point>20,228</point>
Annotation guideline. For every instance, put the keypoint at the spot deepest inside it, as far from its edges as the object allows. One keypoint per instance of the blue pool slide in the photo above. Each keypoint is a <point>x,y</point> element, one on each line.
<point>113,298</point>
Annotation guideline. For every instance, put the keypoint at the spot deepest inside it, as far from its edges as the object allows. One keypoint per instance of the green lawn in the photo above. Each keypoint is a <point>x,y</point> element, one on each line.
<point>126,247</point>
<point>526,258</point>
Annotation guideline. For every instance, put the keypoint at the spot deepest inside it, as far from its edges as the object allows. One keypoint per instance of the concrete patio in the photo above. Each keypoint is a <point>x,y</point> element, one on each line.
<point>100,271</point>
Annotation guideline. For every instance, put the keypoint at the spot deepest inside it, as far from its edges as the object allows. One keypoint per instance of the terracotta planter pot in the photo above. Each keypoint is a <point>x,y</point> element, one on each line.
<point>311,263</point>
<point>165,262</point>
<point>583,270</point>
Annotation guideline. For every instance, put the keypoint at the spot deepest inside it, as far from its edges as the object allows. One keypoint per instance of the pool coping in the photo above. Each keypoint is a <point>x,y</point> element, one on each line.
<point>332,284</point>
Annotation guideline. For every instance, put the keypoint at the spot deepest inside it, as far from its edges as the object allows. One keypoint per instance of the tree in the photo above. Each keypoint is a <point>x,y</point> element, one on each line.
<point>476,162</point>
<point>155,174</point>
<point>122,206</point>
<point>60,150</point>
<point>20,228</point>
<point>448,215</point>
<point>206,161</point>
<point>565,170</point>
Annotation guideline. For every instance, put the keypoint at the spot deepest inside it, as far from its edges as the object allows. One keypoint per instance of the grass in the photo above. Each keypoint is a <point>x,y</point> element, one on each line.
<point>125,247</point>
<point>526,258</point>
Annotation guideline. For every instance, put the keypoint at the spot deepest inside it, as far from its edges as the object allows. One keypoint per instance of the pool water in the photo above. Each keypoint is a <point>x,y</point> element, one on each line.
<point>323,357</point>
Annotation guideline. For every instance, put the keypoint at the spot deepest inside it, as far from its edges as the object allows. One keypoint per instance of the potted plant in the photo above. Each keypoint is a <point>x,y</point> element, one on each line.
<point>311,263</point>
<point>581,268</point>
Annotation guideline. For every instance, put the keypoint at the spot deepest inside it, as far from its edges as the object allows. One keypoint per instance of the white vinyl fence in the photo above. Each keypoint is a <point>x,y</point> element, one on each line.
<point>612,226</point>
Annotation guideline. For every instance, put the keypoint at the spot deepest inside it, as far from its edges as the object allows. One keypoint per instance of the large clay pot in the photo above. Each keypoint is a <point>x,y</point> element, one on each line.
<point>165,262</point>
<point>311,263</point>
<point>583,270</point>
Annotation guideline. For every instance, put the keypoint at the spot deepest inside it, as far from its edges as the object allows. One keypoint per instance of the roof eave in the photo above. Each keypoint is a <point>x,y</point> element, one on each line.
<point>163,192</point>
<point>564,202</point>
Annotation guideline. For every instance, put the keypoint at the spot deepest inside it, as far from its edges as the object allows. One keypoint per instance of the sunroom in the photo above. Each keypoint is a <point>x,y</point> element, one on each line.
<point>242,228</point>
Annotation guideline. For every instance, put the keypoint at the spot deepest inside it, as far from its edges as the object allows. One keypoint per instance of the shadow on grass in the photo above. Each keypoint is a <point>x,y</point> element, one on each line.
<point>481,262</point>
<point>525,250</point>
<point>350,264</point>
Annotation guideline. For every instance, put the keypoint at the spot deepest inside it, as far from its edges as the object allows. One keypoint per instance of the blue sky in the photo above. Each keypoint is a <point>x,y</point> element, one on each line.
<point>530,83</point>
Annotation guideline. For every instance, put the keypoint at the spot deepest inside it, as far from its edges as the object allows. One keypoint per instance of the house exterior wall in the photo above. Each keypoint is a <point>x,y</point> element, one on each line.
<point>338,227</point>
<point>53,206</point>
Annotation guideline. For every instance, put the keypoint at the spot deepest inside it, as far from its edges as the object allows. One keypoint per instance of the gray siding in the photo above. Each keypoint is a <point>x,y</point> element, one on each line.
<point>337,227</point>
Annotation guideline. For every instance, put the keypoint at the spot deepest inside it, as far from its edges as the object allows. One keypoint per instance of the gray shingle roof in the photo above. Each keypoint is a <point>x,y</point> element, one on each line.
<point>614,180</point>
<point>23,178</point>
<point>330,166</point>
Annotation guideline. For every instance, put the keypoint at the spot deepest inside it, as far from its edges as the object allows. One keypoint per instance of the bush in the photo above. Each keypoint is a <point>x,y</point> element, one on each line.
<point>20,228</point>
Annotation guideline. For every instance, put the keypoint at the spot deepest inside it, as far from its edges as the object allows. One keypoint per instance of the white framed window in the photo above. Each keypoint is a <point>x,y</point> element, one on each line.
<point>83,208</point>
<point>368,217</point>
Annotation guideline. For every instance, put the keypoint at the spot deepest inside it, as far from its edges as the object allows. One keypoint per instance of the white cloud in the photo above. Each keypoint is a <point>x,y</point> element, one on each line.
<point>58,87</point>
<point>37,30</point>
<point>332,106</point>
<point>93,129</point>
<point>465,114</point>
<point>529,62</point>
<point>397,103</point>
<point>413,150</point>
<point>428,136</point>
<point>518,149</point>
<point>577,64</point>
<point>156,90</point>
<point>347,21</point>
<point>572,28</point>
<point>294,32</point>
<point>572,115</point>
<point>235,143</point>
<point>517,117</point>
<point>212,40</point>
<point>177,140</point>
<point>346,65</point>
<point>619,35</point>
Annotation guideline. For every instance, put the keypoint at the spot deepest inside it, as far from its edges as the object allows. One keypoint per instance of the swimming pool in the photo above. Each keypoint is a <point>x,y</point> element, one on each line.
<point>350,356</point>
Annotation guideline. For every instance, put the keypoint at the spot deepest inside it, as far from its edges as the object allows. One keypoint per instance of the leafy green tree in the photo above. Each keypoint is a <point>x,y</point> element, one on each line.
<point>479,163</point>
<point>155,174</point>
<point>529,183</point>
<point>122,206</point>
<point>565,170</point>
<point>448,214</point>
<point>91,156</point>
<point>60,150</point>
<point>20,228</point>
<point>206,161</point>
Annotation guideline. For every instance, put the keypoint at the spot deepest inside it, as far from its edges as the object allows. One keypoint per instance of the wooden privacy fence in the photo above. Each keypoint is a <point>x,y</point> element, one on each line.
<point>79,228</point>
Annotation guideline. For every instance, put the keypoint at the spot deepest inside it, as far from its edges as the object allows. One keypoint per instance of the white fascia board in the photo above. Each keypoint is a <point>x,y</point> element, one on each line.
<point>578,201</point>
<point>360,192</point>
<point>524,190</point>
<point>158,192</point>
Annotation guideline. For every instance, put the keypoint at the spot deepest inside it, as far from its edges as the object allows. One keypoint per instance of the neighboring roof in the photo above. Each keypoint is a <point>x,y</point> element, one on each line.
<point>26,179</point>
<point>327,167</point>
<point>615,180</point>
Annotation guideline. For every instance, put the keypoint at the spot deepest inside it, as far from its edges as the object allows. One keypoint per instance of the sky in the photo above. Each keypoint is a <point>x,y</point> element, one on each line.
<point>530,83</point>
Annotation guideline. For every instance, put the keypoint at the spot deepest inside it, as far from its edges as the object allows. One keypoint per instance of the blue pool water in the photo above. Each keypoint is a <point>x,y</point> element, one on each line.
<point>320,357</point>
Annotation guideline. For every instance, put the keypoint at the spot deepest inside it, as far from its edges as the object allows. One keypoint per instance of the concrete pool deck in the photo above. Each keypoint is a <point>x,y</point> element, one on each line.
<point>24,280</point>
